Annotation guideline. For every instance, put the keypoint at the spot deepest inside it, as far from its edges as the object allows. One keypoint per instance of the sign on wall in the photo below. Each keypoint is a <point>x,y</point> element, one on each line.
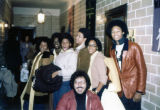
<point>156,27</point>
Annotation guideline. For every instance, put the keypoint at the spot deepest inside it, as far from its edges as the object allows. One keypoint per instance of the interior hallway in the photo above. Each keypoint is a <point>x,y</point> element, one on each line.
<point>70,15</point>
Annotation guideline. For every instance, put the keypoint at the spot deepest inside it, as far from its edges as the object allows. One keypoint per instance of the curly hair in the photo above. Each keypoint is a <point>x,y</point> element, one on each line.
<point>86,32</point>
<point>118,23</point>
<point>69,37</point>
<point>56,35</point>
<point>42,39</point>
<point>98,43</point>
<point>77,74</point>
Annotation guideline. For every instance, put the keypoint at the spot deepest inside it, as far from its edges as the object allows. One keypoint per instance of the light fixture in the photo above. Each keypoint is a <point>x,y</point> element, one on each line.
<point>1,25</point>
<point>41,17</point>
<point>101,19</point>
<point>6,25</point>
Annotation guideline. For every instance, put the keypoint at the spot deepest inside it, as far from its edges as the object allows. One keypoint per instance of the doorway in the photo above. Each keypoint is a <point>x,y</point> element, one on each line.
<point>113,14</point>
<point>24,31</point>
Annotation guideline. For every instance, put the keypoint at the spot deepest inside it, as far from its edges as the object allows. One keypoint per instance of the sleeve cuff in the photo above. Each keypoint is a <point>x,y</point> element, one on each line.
<point>140,92</point>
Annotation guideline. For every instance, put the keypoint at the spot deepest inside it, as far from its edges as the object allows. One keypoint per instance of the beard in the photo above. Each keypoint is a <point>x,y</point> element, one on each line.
<point>76,89</point>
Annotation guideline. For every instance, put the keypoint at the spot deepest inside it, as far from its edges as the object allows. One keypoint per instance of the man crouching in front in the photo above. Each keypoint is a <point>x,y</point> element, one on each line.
<point>79,98</point>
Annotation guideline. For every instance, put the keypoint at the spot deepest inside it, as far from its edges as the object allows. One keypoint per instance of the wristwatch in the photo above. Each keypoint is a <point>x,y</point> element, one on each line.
<point>96,91</point>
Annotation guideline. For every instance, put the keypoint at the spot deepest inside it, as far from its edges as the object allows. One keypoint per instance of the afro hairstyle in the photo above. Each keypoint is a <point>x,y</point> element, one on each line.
<point>42,39</point>
<point>77,74</point>
<point>118,23</point>
<point>56,35</point>
<point>69,37</point>
<point>86,32</point>
<point>98,43</point>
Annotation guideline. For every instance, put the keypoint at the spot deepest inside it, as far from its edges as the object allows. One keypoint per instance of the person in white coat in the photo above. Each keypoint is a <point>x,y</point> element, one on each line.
<point>67,61</point>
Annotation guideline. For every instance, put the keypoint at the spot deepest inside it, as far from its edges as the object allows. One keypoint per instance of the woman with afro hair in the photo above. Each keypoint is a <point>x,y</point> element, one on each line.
<point>130,64</point>
<point>97,68</point>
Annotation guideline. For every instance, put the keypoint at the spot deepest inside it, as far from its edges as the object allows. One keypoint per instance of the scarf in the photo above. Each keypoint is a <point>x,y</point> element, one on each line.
<point>119,48</point>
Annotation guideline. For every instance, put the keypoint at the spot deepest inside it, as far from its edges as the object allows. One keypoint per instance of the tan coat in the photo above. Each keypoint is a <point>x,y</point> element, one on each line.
<point>98,70</point>
<point>37,62</point>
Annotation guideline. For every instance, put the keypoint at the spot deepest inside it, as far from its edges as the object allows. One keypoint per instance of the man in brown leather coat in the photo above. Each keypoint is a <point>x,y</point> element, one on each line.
<point>130,63</point>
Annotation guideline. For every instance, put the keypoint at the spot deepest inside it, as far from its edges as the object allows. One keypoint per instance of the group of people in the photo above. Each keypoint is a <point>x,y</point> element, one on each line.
<point>85,72</point>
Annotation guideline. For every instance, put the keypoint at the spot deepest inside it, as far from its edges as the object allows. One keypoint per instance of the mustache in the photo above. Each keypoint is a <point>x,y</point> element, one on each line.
<point>79,87</point>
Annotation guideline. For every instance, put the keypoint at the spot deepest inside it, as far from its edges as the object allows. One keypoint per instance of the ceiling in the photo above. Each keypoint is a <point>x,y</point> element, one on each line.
<point>52,4</point>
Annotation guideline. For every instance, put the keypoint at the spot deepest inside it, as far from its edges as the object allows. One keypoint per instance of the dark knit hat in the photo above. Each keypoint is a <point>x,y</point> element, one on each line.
<point>118,23</point>
<point>86,32</point>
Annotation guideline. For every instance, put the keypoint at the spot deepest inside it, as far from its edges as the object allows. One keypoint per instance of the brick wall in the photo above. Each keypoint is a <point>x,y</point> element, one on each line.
<point>139,18</point>
<point>79,17</point>
<point>27,19</point>
<point>8,12</point>
<point>5,17</point>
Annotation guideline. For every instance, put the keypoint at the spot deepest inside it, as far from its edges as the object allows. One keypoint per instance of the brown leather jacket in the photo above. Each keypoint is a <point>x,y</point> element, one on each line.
<point>133,73</point>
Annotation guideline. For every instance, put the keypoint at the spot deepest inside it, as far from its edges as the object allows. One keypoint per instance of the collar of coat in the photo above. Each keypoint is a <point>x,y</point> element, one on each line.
<point>125,47</point>
<point>80,47</point>
<point>69,50</point>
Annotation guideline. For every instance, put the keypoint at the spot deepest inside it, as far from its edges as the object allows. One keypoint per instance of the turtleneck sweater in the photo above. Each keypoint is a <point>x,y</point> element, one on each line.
<point>81,101</point>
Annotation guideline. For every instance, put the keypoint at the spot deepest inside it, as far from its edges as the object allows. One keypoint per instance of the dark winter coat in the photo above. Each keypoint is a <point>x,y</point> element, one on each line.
<point>44,81</point>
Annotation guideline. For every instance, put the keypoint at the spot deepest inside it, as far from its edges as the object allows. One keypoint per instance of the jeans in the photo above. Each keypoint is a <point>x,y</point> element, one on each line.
<point>100,92</point>
<point>129,104</point>
<point>35,106</point>
<point>65,87</point>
